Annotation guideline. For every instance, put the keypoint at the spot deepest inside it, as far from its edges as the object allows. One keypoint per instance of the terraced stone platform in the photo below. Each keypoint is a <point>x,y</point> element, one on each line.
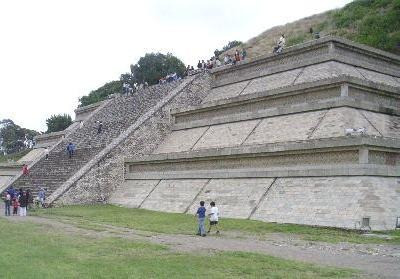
<point>268,142</point>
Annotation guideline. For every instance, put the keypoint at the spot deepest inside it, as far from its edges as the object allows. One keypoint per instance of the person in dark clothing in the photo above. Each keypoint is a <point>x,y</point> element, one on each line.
<point>12,192</point>
<point>70,149</point>
<point>199,65</point>
<point>23,203</point>
<point>20,192</point>
<point>201,215</point>
<point>29,198</point>
<point>100,127</point>
<point>7,201</point>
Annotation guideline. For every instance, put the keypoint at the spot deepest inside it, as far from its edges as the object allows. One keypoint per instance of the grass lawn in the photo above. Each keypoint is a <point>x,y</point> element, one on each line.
<point>154,221</point>
<point>31,251</point>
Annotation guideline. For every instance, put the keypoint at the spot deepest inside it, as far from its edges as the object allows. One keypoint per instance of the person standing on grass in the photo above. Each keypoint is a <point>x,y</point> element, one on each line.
<point>23,203</point>
<point>7,202</point>
<point>42,196</point>
<point>29,199</point>
<point>201,215</point>
<point>213,215</point>
<point>15,205</point>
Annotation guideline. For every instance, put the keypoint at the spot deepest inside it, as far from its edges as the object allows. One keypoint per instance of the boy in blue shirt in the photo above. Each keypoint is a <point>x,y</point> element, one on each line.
<point>201,214</point>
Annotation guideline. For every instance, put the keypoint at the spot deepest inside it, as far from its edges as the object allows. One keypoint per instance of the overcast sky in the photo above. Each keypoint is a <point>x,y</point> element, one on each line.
<point>52,52</point>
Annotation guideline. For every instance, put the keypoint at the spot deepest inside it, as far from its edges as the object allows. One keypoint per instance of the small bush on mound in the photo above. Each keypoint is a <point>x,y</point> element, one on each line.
<point>58,122</point>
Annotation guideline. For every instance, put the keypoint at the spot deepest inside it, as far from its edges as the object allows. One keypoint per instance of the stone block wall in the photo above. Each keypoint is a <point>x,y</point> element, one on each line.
<point>333,201</point>
<point>300,126</point>
<point>322,201</point>
<point>304,75</point>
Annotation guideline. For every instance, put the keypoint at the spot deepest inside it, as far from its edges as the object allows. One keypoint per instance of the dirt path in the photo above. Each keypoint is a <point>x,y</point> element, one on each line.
<point>378,261</point>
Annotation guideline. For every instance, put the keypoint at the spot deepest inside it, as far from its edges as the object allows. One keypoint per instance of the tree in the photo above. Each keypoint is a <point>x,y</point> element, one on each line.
<point>12,136</point>
<point>101,93</point>
<point>58,122</point>
<point>230,45</point>
<point>154,66</point>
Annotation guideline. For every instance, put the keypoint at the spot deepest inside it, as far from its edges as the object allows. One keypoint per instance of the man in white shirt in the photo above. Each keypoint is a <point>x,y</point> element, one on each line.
<point>213,215</point>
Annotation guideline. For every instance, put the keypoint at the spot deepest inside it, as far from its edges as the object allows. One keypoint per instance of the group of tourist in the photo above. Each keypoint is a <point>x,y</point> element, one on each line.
<point>169,78</point>
<point>236,57</point>
<point>29,143</point>
<point>128,89</point>
<point>20,201</point>
<point>201,217</point>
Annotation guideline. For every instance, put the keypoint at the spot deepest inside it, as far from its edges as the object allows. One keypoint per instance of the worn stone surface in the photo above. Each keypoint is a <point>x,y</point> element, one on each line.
<point>133,192</point>
<point>225,92</point>
<point>285,128</point>
<point>326,70</point>
<point>174,195</point>
<point>32,155</point>
<point>378,77</point>
<point>337,120</point>
<point>332,201</point>
<point>307,74</point>
<point>235,198</point>
<point>231,134</point>
<point>387,125</point>
<point>272,81</point>
<point>5,179</point>
<point>182,140</point>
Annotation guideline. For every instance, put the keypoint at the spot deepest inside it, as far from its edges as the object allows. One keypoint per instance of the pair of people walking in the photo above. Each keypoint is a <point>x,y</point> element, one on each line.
<point>201,216</point>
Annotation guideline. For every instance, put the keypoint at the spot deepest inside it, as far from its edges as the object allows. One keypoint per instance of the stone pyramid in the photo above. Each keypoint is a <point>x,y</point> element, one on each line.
<point>271,142</point>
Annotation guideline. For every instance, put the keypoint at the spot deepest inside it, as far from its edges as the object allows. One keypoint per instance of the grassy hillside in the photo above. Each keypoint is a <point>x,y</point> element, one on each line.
<point>372,22</point>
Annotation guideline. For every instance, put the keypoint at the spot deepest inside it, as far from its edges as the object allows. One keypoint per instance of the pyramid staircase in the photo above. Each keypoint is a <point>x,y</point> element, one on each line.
<point>117,115</point>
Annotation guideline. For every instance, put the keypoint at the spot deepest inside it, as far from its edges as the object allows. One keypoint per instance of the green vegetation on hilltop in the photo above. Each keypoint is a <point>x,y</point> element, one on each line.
<point>150,68</point>
<point>58,122</point>
<point>101,93</point>
<point>372,22</point>
<point>226,47</point>
<point>33,251</point>
<point>153,66</point>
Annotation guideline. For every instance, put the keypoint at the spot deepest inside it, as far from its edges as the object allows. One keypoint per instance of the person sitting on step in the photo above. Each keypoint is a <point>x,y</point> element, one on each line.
<point>281,44</point>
